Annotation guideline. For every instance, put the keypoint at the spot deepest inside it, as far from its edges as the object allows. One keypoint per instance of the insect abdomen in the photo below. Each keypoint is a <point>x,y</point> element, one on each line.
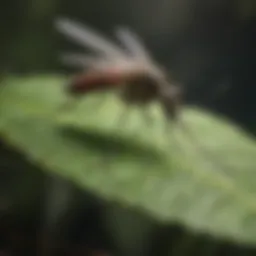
<point>86,83</point>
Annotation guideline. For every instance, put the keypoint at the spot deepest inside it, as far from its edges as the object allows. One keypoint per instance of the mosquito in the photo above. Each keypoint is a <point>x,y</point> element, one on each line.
<point>129,70</point>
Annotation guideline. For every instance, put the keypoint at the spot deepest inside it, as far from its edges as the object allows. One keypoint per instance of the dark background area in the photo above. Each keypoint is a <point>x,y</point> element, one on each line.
<point>209,45</point>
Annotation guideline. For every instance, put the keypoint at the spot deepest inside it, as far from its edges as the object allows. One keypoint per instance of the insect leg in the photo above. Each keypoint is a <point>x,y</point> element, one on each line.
<point>101,100</point>
<point>69,103</point>
<point>147,115</point>
<point>123,118</point>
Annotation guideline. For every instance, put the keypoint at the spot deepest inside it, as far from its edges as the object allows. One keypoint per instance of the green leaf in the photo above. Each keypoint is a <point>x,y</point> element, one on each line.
<point>123,156</point>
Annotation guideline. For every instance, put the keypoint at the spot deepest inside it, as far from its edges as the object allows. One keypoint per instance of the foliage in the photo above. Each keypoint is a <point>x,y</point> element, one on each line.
<point>105,148</point>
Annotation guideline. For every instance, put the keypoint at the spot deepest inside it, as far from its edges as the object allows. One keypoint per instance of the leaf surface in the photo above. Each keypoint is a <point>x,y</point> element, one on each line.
<point>126,156</point>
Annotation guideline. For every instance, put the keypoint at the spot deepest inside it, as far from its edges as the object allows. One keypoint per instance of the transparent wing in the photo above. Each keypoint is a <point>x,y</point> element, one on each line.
<point>88,37</point>
<point>86,61</point>
<point>133,43</point>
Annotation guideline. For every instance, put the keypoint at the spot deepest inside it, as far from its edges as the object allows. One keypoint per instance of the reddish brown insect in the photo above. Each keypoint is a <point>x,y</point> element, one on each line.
<point>130,70</point>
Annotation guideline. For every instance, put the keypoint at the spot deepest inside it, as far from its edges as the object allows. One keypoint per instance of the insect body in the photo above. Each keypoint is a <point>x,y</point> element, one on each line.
<point>94,81</point>
<point>129,70</point>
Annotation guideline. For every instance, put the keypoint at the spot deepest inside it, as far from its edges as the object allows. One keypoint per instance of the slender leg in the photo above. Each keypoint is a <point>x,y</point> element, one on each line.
<point>120,123</point>
<point>101,100</point>
<point>68,104</point>
<point>147,116</point>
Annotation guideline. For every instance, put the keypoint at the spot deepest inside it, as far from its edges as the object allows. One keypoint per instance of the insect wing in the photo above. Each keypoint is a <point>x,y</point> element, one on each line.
<point>88,38</point>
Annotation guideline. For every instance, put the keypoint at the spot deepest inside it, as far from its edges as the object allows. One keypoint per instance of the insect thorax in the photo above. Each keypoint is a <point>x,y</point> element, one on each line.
<point>140,90</point>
